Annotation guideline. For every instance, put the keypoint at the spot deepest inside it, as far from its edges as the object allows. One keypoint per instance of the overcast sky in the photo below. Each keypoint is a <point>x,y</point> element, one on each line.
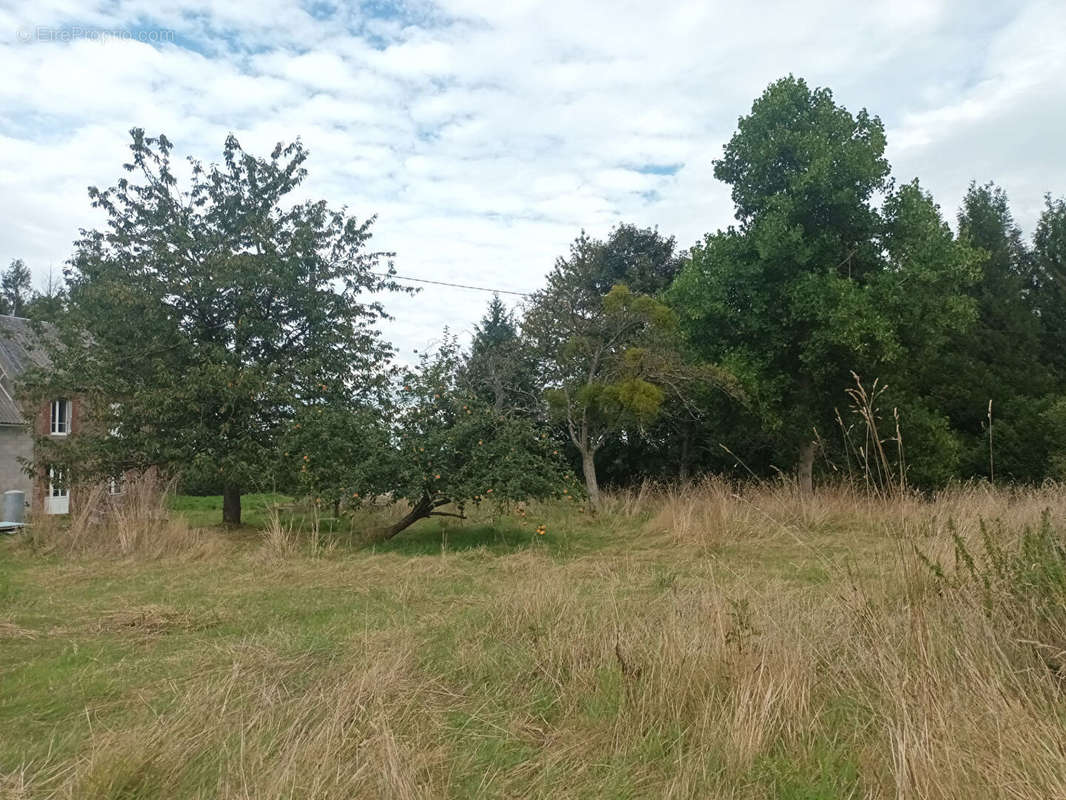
<point>486,133</point>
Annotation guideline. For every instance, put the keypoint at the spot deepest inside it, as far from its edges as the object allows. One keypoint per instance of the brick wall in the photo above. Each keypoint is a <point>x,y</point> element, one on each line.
<point>43,426</point>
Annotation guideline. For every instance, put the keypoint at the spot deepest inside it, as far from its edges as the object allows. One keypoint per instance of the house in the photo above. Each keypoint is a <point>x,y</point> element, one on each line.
<point>20,348</point>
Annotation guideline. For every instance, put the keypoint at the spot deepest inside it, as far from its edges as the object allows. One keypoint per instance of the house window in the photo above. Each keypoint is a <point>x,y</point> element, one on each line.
<point>57,487</point>
<point>60,417</point>
<point>114,486</point>
<point>115,408</point>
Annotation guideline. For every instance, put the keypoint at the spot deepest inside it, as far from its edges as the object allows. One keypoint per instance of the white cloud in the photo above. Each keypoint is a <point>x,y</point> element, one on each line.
<point>487,134</point>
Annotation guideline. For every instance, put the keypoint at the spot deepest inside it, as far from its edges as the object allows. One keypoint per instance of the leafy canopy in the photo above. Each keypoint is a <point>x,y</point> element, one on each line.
<point>456,448</point>
<point>816,282</point>
<point>499,367</point>
<point>203,321</point>
<point>605,360</point>
<point>16,288</point>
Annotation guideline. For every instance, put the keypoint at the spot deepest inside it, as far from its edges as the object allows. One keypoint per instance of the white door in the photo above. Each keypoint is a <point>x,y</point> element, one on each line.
<point>58,499</point>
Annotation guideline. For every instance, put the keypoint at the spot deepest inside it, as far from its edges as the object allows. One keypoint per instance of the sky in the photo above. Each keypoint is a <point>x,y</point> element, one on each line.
<point>486,134</point>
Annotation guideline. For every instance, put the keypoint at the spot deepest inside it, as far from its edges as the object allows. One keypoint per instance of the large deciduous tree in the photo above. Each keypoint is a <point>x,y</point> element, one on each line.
<point>797,296</point>
<point>204,321</point>
<point>606,360</point>
<point>642,258</point>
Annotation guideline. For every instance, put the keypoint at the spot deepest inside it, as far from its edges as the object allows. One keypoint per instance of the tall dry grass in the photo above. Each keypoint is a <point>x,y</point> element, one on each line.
<point>132,523</point>
<point>668,666</point>
<point>955,651</point>
<point>717,510</point>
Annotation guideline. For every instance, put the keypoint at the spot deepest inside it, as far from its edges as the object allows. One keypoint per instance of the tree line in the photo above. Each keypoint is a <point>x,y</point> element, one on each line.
<point>15,288</point>
<point>225,332</point>
<point>18,298</point>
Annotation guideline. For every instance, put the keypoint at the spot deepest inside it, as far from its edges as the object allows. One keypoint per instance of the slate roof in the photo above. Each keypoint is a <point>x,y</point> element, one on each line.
<point>9,413</point>
<point>19,349</point>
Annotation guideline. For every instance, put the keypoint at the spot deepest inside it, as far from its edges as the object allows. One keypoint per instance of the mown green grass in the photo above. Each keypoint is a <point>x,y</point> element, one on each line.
<point>207,509</point>
<point>493,530</point>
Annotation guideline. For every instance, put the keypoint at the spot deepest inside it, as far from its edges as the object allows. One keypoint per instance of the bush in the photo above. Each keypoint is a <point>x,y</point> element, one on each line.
<point>1019,581</point>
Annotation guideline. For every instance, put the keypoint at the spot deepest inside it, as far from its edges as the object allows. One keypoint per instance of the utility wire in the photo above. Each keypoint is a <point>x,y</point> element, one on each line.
<point>149,353</point>
<point>453,285</point>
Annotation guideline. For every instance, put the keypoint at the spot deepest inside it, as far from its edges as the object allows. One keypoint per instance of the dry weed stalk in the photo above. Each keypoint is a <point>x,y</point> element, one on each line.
<point>880,475</point>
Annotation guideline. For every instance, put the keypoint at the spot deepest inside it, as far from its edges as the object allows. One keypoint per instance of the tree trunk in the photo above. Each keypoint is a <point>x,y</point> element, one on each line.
<point>805,469</point>
<point>588,467</point>
<point>421,510</point>
<point>683,470</point>
<point>231,505</point>
<point>500,395</point>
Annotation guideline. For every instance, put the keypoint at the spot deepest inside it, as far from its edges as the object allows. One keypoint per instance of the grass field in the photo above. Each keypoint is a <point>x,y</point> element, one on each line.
<point>696,643</point>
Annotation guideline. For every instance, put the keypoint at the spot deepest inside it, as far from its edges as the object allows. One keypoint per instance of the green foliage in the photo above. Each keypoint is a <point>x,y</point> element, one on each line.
<point>456,448</point>
<point>203,321</point>
<point>1054,422</point>
<point>223,330</point>
<point>995,358</point>
<point>631,400</point>
<point>637,397</point>
<point>338,452</point>
<point>817,282</point>
<point>1049,295</point>
<point>499,367</point>
<point>50,304</point>
<point>16,288</point>
<point>640,258</point>
<point>931,448</point>
<point>605,359</point>
<point>806,164</point>
<point>924,288</point>
<point>1021,582</point>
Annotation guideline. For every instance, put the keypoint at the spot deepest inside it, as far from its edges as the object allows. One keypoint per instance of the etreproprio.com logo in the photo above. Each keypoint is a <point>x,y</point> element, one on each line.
<point>76,33</point>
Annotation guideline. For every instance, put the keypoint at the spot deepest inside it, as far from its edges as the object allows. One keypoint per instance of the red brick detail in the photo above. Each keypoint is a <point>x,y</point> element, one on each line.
<point>42,426</point>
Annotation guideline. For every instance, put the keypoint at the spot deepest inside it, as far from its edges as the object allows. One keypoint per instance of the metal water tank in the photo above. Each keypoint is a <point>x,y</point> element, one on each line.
<point>14,507</point>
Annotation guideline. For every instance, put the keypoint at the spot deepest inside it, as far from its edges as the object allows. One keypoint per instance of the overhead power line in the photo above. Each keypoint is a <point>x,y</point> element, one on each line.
<point>453,285</point>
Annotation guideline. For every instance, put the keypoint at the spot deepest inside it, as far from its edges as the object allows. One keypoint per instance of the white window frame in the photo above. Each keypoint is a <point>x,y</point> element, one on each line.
<point>5,384</point>
<point>115,486</point>
<point>57,489</point>
<point>116,410</point>
<point>60,417</point>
